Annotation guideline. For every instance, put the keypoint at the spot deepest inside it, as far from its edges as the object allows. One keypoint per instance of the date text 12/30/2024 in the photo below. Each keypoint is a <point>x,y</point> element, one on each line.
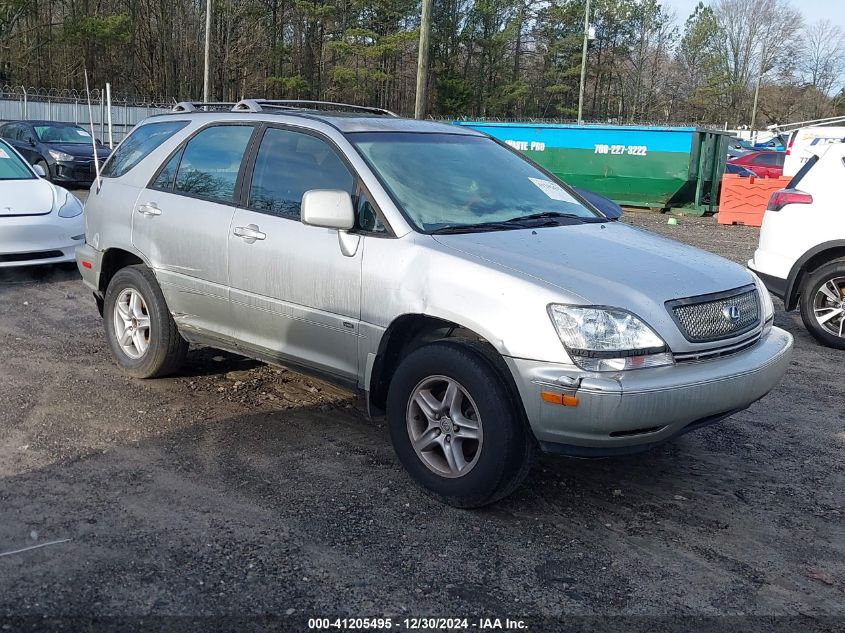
<point>417,624</point>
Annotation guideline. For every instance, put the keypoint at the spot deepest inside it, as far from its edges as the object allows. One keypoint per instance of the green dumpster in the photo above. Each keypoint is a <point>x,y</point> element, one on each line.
<point>641,166</point>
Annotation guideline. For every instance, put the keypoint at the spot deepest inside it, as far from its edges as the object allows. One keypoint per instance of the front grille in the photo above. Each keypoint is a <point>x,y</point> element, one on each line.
<point>714,317</point>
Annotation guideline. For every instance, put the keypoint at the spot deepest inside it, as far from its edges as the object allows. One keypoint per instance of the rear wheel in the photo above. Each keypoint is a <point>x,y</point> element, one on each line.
<point>823,304</point>
<point>455,427</point>
<point>142,335</point>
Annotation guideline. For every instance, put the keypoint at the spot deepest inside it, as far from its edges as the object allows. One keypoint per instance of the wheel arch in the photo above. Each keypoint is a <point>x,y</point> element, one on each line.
<point>409,332</point>
<point>112,260</point>
<point>812,260</point>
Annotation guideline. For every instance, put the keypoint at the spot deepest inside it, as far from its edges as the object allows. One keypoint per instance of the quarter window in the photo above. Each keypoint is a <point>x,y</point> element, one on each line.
<point>289,164</point>
<point>211,162</point>
<point>139,144</point>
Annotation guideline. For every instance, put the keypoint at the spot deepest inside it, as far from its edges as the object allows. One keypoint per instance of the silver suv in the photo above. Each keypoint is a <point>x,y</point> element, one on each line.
<point>477,301</point>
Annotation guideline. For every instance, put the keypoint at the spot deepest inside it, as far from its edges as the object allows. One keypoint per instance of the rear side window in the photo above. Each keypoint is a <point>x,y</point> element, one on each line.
<point>773,159</point>
<point>211,162</point>
<point>289,164</point>
<point>138,144</point>
<point>9,131</point>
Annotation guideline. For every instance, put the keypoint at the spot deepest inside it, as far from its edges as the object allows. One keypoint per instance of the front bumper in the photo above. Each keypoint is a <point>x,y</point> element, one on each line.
<point>39,239</point>
<point>82,172</point>
<point>630,411</point>
<point>775,285</point>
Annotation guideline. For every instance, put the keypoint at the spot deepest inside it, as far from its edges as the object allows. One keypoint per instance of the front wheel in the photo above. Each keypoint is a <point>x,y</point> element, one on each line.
<point>823,304</point>
<point>143,337</point>
<point>455,426</point>
<point>46,169</point>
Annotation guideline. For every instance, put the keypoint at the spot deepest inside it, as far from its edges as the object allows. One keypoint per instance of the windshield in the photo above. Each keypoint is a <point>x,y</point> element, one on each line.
<point>67,134</point>
<point>448,181</point>
<point>12,167</point>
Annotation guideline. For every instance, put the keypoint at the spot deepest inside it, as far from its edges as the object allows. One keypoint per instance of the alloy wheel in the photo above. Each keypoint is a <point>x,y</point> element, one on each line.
<point>132,323</point>
<point>444,426</point>
<point>829,306</point>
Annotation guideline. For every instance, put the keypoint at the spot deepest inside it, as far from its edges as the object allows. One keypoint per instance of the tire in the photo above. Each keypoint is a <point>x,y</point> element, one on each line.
<point>490,461</point>
<point>823,294</point>
<point>46,169</point>
<point>134,297</point>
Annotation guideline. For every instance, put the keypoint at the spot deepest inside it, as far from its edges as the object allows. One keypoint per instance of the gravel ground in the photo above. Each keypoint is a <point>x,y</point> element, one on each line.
<point>237,489</point>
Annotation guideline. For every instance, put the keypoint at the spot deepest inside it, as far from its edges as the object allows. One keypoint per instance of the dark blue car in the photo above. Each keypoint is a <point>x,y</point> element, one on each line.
<point>63,150</point>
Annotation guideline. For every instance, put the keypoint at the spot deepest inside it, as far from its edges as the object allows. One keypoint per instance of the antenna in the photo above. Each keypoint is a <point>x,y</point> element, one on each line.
<point>93,140</point>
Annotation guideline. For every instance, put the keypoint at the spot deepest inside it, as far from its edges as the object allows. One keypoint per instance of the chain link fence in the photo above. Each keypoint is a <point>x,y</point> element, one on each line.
<point>71,106</point>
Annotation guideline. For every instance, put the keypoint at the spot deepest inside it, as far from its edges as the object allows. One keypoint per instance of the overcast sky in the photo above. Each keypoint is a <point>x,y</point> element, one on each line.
<point>813,10</point>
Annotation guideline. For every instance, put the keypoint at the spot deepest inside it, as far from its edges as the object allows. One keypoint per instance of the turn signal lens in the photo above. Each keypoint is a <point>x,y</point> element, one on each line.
<point>559,398</point>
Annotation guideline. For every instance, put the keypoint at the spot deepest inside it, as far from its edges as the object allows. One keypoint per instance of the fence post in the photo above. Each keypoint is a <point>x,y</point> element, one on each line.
<point>108,111</point>
<point>24,117</point>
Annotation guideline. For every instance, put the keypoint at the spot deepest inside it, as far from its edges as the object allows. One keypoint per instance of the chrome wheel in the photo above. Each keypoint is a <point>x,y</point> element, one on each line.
<point>829,306</point>
<point>444,426</point>
<point>132,323</point>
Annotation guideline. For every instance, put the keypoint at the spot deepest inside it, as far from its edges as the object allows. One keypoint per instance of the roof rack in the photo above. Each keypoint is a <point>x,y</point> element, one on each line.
<point>194,106</point>
<point>259,105</point>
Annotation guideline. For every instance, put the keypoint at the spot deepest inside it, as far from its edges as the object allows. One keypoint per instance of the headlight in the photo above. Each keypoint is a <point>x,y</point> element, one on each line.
<point>71,207</point>
<point>608,339</point>
<point>765,303</point>
<point>57,155</point>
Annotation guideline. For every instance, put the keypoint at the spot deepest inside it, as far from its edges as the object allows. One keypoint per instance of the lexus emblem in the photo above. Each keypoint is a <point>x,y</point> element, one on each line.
<point>731,313</point>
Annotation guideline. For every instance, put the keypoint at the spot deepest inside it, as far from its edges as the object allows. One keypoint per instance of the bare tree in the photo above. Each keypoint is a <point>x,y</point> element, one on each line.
<point>757,36</point>
<point>823,56</point>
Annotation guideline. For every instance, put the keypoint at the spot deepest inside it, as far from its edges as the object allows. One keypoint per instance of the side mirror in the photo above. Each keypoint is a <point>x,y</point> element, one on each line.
<point>39,170</point>
<point>328,208</point>
<point>31,141</point>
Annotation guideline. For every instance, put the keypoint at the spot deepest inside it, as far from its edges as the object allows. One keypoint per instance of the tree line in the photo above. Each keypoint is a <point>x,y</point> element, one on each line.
<point>512,59</point>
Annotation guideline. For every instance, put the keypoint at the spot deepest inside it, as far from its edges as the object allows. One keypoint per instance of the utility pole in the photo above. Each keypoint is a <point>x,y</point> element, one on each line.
<point>422,61</point>
<point>757,87</point>
<point>205,95</point>
<point>584,63</point>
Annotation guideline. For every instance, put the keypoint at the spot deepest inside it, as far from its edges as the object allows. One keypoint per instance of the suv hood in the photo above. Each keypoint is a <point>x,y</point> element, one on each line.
<point>610,264</point>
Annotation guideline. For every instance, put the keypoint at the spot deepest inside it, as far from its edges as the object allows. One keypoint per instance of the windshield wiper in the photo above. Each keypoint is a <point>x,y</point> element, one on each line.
<point>555,215</point>
<point>478,228</point>
<point>533,221</point>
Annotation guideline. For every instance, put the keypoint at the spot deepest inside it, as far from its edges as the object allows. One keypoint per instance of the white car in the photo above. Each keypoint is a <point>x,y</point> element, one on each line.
<point>805,142</point>
<point>40,223</point>
<point>801,255</point>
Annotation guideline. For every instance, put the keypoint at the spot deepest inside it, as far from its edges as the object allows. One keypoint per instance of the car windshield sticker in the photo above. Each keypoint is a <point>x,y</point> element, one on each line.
<point>3,153</point>
<point>82,133</point>
<point>553,190</point>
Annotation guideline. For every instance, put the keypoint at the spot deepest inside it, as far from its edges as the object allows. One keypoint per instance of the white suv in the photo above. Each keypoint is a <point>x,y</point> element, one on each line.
<point>801,255</point>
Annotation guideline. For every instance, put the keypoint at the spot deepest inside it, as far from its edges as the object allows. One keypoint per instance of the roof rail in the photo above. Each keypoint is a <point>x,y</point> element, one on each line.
<point>258,105</point>
<point>194,106</point>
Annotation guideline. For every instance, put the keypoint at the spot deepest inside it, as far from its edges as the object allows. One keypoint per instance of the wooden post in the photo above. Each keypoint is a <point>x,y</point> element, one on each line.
<point>422,61</point>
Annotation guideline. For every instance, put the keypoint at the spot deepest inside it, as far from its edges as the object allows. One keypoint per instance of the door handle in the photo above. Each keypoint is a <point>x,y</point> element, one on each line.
<point>249,233</point>
<point>148,208</point>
